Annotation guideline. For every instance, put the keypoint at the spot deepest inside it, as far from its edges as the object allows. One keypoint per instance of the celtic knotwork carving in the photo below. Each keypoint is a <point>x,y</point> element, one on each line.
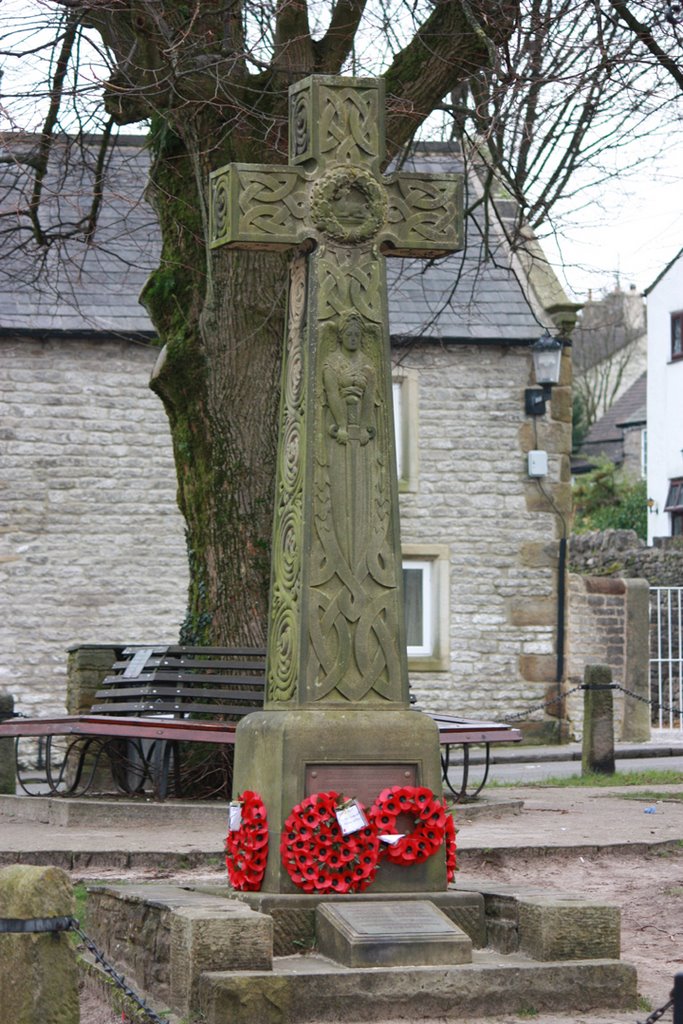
<point>272,203</point>
<point>299,124</point>
<point>422,211</point>
<point>350,280</point>
<point>335,621</point>
<point>283,634</point>
<point>219,206</point>
<point>282,672</point>
<point>348,126</point>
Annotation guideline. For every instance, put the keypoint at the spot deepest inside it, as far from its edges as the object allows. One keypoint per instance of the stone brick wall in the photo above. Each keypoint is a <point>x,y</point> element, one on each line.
<point>474,494</point>
<point>623,553</point>
<point>608,624</point>
<point>92,545</point>
<point>93,549</point>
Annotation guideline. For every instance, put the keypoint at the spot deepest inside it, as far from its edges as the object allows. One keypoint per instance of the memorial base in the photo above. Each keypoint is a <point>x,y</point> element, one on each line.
<point>285,756</point>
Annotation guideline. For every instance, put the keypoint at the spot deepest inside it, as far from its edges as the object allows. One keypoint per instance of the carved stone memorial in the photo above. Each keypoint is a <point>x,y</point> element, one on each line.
<point>337,702</point>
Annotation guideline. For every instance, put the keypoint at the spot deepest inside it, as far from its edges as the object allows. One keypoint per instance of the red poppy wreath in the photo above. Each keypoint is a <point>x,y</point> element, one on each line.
<point>318,857</point>
<point>246,847</point>
<point>430,823</point>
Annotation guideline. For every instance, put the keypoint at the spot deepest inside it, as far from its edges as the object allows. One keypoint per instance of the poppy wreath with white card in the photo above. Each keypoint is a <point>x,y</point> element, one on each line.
<point>430,825</point>
<point>316,854</point>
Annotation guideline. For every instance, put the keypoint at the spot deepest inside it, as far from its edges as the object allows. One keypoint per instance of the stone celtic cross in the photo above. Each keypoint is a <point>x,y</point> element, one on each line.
<point>336,630</point>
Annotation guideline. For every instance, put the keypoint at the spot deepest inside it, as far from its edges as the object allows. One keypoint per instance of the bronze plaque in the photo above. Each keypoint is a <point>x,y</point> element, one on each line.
<point>362,782</point>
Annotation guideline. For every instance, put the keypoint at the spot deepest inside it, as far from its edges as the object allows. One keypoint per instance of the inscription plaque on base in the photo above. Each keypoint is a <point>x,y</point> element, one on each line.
<point>359,781</point>
<point>390,934</point>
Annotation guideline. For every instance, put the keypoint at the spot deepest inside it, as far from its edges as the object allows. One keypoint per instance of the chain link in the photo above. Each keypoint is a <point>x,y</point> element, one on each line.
<point>656,1014</point>
<point>539,707</point>
<point>117,978</point>
<point>646,700</point>
<point>616,686</point>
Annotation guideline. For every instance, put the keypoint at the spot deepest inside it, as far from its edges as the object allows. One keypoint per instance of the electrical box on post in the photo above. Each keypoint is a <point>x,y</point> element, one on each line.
<point>538,463</point>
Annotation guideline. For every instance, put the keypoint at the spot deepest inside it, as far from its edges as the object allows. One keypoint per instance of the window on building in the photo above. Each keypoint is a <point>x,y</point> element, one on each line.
<point>426,594</point>
<point>677,335</point>
<point>674,506</point>
<point>405,425</point>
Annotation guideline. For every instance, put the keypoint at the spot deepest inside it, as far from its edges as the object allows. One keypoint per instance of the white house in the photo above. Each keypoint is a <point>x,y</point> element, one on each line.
<point>665,402</point>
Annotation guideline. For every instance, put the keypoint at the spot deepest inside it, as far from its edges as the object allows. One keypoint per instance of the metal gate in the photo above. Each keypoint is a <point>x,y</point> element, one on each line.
<point>666,656</point>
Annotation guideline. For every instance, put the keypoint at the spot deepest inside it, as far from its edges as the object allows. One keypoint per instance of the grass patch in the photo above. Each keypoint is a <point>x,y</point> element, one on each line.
<point>645,777</point>
<point>651,795</point>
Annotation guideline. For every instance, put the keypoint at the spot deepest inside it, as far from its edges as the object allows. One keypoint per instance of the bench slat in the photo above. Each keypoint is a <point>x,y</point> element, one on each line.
<point>191,693</point>
<point>164,676</point>
<point>168,707</point>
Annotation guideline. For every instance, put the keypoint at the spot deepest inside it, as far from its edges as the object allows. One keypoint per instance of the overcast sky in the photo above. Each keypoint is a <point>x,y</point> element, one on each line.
<point>633,229</point>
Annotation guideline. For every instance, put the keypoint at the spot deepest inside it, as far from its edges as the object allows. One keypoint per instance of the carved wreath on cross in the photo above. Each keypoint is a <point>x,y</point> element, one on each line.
<point>335,191</point>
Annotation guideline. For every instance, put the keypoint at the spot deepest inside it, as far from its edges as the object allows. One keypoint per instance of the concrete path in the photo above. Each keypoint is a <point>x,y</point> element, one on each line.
<point>128,834</point>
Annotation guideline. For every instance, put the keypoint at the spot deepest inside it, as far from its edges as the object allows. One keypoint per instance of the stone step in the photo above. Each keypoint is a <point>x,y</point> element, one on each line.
<point>310,988</point>
<point>205,951</point>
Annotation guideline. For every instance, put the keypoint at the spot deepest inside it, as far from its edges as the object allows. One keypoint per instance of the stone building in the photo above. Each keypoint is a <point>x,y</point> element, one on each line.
<point>93,546</point>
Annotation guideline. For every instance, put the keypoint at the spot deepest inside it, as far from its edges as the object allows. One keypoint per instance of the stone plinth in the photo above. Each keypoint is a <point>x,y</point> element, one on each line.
<point>294,915</point>
<point>287,755</point>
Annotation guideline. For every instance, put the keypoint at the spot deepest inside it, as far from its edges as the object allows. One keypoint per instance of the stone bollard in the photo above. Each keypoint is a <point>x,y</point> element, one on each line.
<point>8,775</point>
<point>38,974</point>
<point>598,721</point>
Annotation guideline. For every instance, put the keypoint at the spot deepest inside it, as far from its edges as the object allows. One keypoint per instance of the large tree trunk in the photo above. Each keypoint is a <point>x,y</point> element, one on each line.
<point>221,318</point>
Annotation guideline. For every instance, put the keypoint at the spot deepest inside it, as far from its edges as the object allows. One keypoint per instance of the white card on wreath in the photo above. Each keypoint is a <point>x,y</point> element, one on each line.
<point>350,818</point>
<point>234,815</point>
<point>391,838</point>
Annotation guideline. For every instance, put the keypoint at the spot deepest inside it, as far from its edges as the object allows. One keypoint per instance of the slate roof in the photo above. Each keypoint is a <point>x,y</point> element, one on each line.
<point>463,298</point>
<point>73,286</point>
<point>606,435</point>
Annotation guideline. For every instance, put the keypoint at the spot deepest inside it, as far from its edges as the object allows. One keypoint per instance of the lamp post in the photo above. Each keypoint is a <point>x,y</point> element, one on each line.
<point>547,357</point>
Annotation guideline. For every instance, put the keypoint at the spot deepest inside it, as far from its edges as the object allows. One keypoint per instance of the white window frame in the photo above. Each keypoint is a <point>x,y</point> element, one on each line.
<point>405,403</point>
<point>434,561</point>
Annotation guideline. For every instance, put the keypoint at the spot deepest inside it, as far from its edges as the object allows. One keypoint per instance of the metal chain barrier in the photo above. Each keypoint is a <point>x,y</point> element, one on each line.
<point>613,686</point>
<point>540,707</point>
<point>65,924</point>
<point>646,700</point>
<point>117,978</point>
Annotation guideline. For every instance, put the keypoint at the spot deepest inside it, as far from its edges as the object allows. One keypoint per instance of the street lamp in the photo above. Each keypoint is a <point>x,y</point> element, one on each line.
<point>547,357</point>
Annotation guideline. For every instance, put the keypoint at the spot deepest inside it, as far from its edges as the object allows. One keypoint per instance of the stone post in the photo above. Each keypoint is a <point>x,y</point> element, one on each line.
<point>38,974</point>
<point>87,666</point>
<point>598,721</point>
<point>636,724</point>
<point>8,775</point>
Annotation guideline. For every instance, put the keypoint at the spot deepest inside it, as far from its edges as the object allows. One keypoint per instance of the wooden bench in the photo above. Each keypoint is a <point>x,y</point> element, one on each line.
<point>158,699</point>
